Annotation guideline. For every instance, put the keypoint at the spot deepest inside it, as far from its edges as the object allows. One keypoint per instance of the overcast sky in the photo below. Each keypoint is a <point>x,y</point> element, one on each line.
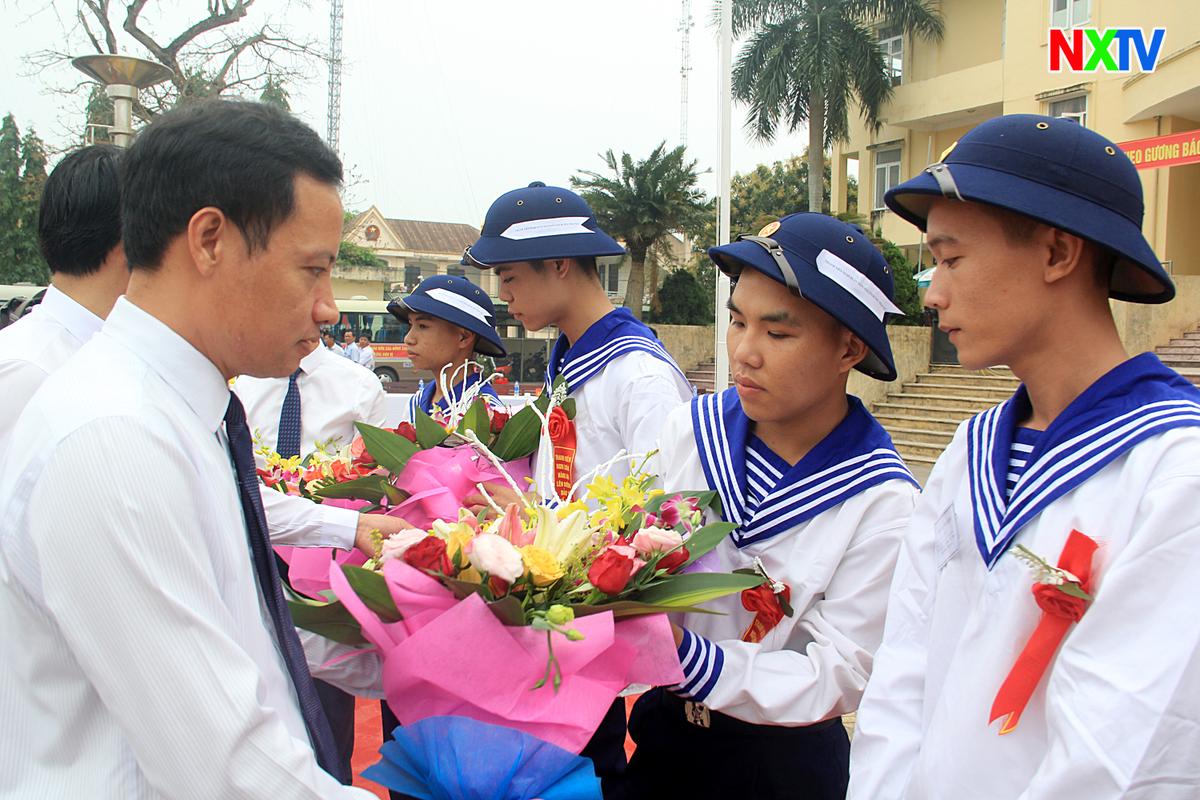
<point>446,105</point>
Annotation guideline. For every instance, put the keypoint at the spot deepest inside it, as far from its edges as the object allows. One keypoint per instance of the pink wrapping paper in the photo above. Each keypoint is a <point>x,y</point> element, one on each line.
<point>437,481</point>
<point>450,657</point>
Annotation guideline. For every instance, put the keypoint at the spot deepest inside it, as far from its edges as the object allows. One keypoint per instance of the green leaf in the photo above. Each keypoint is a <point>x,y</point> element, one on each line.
<point>429,433</point>
<point>476,419</point>
<point>704,540</point>
<point>508,609</point>
<point>625,609</point>
<point>569,407</point>
<point>372,589</point>
<point>330,620</point>
<point>391,451</point>
<point>520,435</point>
<point>369,487</point>
<point>693,588</point>
<point>1074,590</point>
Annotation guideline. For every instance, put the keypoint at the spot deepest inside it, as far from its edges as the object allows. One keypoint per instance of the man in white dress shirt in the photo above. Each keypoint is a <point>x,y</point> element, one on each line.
<point>79,231</point>
<point>146,653</point>
<point>349,348</point>
<point>319,403</point>
<point>366,356</point>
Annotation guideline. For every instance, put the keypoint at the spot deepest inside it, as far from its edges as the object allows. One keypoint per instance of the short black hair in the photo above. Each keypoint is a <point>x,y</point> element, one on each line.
<point>586,263</point>
<point>239,156</point>
<point>79,218</point>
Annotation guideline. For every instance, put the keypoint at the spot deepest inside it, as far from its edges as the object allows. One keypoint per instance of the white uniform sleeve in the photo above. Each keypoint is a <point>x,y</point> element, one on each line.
<point>887,735</point>
<point>20,380</point>
<point>646,402</point>
<point>1123,696</point>
<point>154,634</point>
<point>825,664</point>
<point>299,522</point>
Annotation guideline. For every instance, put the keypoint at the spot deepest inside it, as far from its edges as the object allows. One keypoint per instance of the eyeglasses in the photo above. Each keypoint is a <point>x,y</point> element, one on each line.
<point>776,252</point>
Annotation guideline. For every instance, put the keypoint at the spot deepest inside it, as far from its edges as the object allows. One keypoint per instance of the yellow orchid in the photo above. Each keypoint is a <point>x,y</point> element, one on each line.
<point>543,567</point>
<point>567,509</point>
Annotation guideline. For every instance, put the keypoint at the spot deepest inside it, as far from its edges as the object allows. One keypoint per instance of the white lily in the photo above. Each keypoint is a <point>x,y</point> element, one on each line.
<point>561,537</point>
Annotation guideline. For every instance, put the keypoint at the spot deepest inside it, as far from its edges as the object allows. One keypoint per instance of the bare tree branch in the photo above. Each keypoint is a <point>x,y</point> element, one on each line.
<point>132,11</point>
<point>227,16</point>
<point>100,12</point>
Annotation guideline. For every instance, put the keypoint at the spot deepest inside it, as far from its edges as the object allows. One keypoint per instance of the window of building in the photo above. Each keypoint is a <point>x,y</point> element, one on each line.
<point>610,275</point>
<point>1069,13</point>
<point>1072,108</point>
<point>887,174</point>
<point>412,276</point>
<point>457,271</point>
<point>892,46</point>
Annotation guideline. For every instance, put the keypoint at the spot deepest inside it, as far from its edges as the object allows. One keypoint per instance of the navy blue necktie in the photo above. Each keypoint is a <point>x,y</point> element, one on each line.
<point>319,732</point>
<point>288,444</point>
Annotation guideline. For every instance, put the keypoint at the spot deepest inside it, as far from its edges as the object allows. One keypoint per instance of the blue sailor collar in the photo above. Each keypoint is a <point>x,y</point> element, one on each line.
<point>424,399</point>
<point>1135,401</point>
<point>613,335</point>
<point>855,456</point>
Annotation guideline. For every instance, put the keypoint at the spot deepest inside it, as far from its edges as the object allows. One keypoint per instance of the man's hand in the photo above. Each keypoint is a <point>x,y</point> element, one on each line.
<point>678,631</point>
<point>367,523</point>
<point>501,493</point>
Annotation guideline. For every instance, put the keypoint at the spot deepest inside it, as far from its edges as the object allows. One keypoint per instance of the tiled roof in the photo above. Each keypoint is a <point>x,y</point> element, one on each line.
<point>449,238</point>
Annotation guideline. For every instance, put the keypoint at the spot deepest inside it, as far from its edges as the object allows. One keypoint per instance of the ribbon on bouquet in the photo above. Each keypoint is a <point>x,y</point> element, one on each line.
<point>1059,612</point>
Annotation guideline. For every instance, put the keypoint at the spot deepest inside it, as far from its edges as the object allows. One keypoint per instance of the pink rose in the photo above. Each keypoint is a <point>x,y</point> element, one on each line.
<point>398,543</point>
<point>496,556</point>
<point>651,540</point>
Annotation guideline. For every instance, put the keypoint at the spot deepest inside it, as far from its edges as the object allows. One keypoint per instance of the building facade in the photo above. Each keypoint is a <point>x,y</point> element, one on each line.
<point>995,59</point>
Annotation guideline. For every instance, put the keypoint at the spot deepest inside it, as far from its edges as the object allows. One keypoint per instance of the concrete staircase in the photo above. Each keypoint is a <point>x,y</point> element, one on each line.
<point>1183,355</point>
<point>922,417</point>
<point>703,376</point>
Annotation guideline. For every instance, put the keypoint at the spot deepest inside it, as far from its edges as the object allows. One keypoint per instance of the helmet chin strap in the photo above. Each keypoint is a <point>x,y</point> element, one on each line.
<point>945,181</point>
<point>776,252</point>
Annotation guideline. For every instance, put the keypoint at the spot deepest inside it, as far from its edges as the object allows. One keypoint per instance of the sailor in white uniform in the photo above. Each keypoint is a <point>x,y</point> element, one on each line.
<point>820,498</point>
<point>543,242</point>
<point>994,681</point>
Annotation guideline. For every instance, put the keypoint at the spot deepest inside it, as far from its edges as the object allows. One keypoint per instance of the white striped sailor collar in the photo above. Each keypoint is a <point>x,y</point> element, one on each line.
<point>616,333</point>
<point>1135,401</point>
<point>853,457</point>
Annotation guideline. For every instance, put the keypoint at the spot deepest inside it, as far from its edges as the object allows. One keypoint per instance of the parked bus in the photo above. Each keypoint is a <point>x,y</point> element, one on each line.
<point>526,362</point>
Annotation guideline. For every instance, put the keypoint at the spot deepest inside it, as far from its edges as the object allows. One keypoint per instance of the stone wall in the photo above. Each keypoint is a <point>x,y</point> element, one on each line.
<point>689,345</point>
<point>1144,327</point>
<point>910,348</point>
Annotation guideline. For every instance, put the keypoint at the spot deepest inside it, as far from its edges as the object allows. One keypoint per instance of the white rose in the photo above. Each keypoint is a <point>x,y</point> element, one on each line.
<point>496,556</point>
<point>395,545</point>
<point>655,540</point>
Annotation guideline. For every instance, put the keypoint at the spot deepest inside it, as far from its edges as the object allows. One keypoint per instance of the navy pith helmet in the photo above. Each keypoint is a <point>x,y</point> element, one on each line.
<point>834,266</point>
<point>459,302</point>
<point>1057,172</point>
<point>536,223</point>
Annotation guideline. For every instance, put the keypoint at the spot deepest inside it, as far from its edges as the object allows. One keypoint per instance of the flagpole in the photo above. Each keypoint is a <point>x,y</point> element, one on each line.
<point>721,378</point>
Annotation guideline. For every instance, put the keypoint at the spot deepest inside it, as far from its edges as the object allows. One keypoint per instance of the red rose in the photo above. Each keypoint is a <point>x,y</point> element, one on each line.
<point>358,452</point>
<point>559,425</point>
<point>406,430</point>
<point>499,420</point>
<point>430,554</point>
<point>673,560</point>
<point>1057,603</point>
<point>613,568</point>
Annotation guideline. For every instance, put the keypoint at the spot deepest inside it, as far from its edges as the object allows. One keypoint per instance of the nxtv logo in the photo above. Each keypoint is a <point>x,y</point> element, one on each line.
<point>1104,50</point>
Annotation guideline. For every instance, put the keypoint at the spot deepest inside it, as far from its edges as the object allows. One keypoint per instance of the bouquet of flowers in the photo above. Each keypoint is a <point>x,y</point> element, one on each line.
<point>469,616</point>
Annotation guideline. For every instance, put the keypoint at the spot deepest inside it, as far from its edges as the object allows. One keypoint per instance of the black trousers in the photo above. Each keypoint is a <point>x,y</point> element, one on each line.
<point>390,723</point>
<point>607,752</point>
<point>339,709</point>
<point>731,759</point>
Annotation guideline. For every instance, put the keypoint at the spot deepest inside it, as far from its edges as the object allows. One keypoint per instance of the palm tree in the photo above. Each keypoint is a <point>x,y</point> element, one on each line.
<point>806,60</point>
<point>642,202</point>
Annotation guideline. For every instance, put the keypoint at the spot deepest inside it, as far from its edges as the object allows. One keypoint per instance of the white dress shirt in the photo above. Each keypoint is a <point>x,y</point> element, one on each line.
<point>1116,714</point>
<point>137,659</point>
<point>334,394</point>
<point>33,347</point>
<point>366,357</point>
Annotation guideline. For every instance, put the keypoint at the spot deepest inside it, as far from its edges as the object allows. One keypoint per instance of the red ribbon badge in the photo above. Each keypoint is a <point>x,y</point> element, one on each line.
<point>768,611</point>
<point>562,436</point>
<point>1059,612</point>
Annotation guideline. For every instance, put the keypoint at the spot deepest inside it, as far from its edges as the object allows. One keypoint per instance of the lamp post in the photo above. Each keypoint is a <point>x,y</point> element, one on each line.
<point>122,77</point>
